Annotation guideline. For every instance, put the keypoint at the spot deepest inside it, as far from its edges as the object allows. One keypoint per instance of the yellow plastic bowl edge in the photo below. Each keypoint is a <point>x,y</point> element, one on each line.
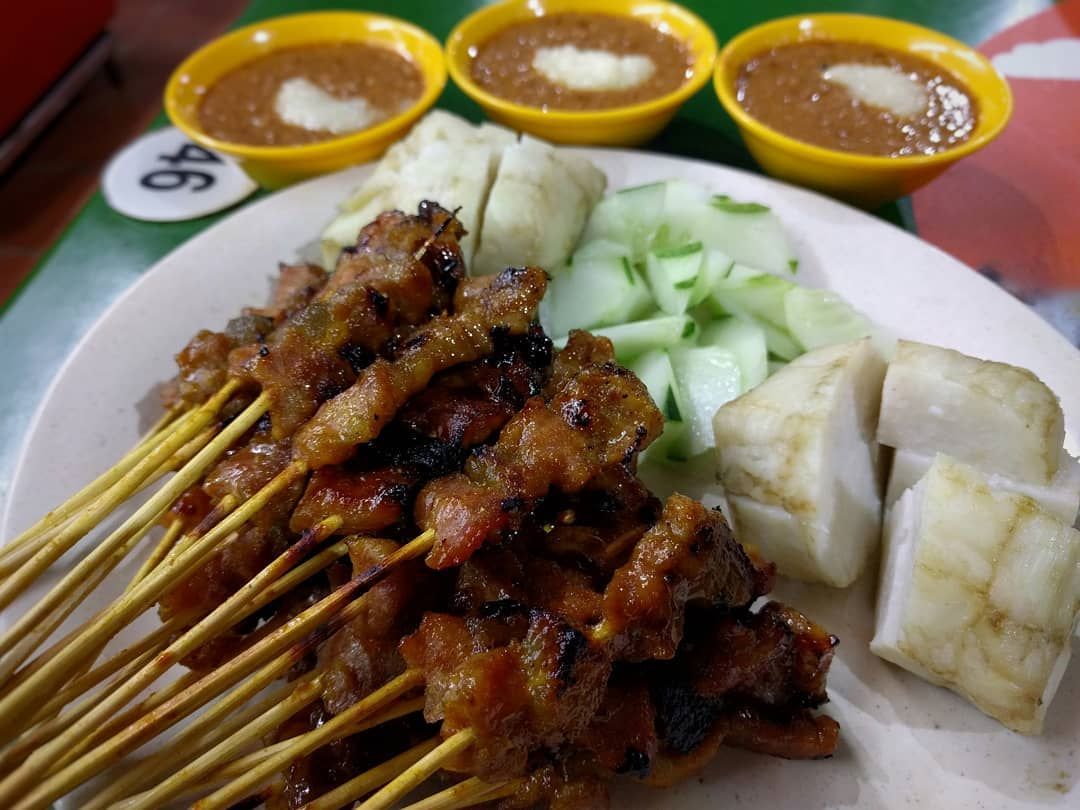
<point>620,125</point>
<point>866,178</point>
<point>274,166</point>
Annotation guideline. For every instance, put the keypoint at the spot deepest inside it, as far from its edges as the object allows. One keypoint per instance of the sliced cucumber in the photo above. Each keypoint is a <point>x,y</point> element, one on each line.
<point>758,297</point>
<point>705,378</point>
<point>654,370</point>
<point>638,337</point>
<point>716,267</point>
<point>684,203</point>
<point>745,340</point>
<point>629,216</point>
<point>749,232</point>
<point>821,317</point>
<point>595,289</point>
<point>671,445</point>
<point>673,275</point>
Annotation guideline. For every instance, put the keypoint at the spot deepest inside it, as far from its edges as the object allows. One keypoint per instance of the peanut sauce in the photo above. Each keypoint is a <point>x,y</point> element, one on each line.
<point>239,107</point>
<point>785,88</point>
<point>503,65</point>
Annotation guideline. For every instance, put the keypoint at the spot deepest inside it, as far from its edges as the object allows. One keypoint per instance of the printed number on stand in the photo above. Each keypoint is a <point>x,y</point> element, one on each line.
<point>172,179</point>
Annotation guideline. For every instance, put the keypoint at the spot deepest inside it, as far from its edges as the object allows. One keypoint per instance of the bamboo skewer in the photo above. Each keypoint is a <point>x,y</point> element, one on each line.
<point>127,484</point>
<point>97,632</point>
<point>253,778</point>
<point>340,726</point>
<point>242,765</point>
<point>418,773</point>
<point>49,721</point>
<point>337,609</point>
<point>17,557</point>
<point>206,763</point>
<point>165,427</point>
<point>467,793</point>
<point>147,512</point>
<point>371,779</point>
<point>36,626</point>
<point>224,616</point>
<point>141,650</point>
<point>160,552</point>
<point>225,718</point>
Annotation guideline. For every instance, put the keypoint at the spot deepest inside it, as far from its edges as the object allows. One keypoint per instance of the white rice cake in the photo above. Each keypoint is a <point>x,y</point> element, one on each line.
<point>444,158</point>
<point>799,463</point>
<point>979,592</point>
<point>538,207</point>
<point>1061,497</point>
<point>998,417</point>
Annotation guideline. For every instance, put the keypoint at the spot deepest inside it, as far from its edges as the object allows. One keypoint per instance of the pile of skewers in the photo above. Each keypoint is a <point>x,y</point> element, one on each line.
<point>400,535</point>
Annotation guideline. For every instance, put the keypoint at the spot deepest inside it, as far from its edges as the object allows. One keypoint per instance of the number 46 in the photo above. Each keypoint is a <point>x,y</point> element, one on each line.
<point>172,179</point>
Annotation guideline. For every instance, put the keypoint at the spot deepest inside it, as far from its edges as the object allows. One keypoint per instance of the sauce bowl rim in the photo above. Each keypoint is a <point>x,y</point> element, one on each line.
<point>731,58</point>
<point>427,59</point>
<point>462,38</point>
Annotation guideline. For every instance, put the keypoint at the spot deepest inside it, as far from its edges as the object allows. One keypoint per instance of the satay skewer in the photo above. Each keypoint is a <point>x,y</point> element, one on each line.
<point>341,725</point>
<point>413,776</point>
<point>148,512</point>
<point>171,421</point>
<point>372,778</point>
<point>467,793</point>
<point>272,653</point>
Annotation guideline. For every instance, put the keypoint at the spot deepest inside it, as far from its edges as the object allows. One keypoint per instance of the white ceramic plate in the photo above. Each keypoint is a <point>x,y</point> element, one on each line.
<point>905,743</point>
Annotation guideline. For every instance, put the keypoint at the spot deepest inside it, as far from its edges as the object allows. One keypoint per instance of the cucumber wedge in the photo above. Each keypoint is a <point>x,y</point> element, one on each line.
<point>598,288</point>
<point>748,232</point>
<point>673,275</point>
<point>655,371</point>
<point>821,317</point>
<point>638,337</point>
<point>629,216</point>
<point>705,378</point>
<point>745,340</point>
<point>671,445</point>
<point>757,297</point>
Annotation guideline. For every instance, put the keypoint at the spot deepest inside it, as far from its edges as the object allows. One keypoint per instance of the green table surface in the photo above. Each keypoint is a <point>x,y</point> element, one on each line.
<point>101,253</point>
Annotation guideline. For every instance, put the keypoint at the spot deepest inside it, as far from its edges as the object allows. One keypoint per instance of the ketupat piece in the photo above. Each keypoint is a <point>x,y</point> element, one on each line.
<point>443,158</point>
<point>799,463</point>
<point>979,592</point>
<point>537,209</point>
<point>1000,418</point>
<point>1061,497</point>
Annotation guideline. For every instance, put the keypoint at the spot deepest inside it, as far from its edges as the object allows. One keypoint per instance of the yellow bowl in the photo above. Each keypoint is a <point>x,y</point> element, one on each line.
<point>276,166</point>
<point>866,180</point>
<point>617,126</point>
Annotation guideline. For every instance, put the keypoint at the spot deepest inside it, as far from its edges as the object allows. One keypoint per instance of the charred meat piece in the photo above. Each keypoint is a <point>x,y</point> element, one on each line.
<point>622,736</point>
<point>305,361</point>
<point>776,658</point>
<point>689,556</point>
<point>297,286</point>
<point>204,362</point>
<point>749,680</point>
<point>599,418</point>
<point>363,654</point>
<point>240,474</point>
<point>468,405</point>
<point>204,368</point>
<point>496,581</point>
<point>368,501</point>
<point>539,692</point>
<point>407,243</point>
<point>357,415</point>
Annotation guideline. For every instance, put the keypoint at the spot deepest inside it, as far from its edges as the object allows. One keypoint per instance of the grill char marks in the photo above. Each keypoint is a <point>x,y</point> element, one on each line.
<point>357,415</point>
<point>540,450</point>
<point>689,556</point>
<point>379,288</point>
